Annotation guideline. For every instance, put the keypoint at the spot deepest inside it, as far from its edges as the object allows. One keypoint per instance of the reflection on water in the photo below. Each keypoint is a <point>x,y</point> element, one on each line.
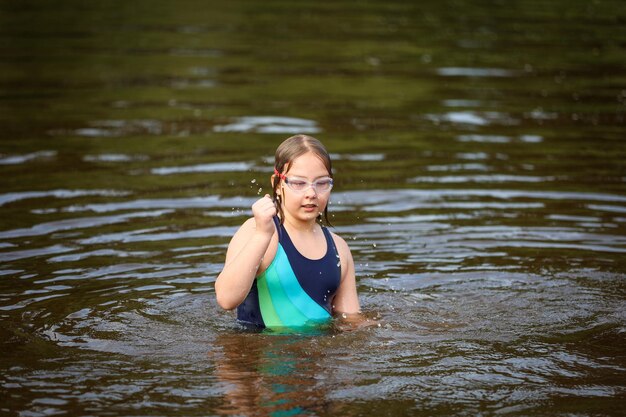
<point>277,374</point>
<point>479,182</point>
<point>472,118</point>
<point>270,124</point>
<point>20,159</point>
<point>216,167</point>
<point>475,72</point>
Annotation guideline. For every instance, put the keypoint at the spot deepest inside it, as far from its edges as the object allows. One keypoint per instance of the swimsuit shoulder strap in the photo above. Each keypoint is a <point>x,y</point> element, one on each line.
<point>330,242</point>
<point>279,228</point>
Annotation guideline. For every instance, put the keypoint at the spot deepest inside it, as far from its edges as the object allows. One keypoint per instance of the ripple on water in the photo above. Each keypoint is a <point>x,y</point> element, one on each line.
<point>472,155</point>
<point>473,118</point>
<point>364,157</point>
<point>20,159</point>
<point>32,253</point>
<point>25,195</point>
<point>494,178</point>
<point>499,138</point>
<point>214,167</point>
<point>370,198</point>
<point>78,223</point>
<point>114,157</point>
<point>458,167</point>
<point>167,203</point>
<point>146,235</point>
<point>269,124</point>
<point>74,257</point>
<point>152,127</point>
<point>115,128</point>
<point>475,72</point>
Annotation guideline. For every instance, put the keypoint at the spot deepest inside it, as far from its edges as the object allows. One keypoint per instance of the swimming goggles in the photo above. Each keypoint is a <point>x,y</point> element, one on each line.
<point>300,185</point>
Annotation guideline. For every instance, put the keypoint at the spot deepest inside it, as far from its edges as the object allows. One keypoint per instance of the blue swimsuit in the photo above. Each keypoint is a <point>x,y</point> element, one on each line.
<point>293,291</point>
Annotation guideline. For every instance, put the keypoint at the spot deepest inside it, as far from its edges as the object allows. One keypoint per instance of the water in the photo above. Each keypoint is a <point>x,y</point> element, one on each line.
<point>480,182</point>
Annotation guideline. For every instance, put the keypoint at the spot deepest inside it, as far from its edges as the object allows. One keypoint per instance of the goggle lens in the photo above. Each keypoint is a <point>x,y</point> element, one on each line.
<point>321,185</point>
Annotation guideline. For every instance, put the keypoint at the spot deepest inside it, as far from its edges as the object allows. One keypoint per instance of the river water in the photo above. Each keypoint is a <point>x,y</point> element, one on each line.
<point>479,152</point>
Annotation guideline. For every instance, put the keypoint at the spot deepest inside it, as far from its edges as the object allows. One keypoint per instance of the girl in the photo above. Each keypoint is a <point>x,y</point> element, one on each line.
<point>283,268</point>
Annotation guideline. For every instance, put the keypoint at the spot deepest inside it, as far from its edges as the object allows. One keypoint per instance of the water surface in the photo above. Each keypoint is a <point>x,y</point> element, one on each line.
<point>480,183</point>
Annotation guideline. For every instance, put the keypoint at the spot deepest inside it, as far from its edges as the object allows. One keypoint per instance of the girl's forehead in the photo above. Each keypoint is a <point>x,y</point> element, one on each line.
<point>308,163</point>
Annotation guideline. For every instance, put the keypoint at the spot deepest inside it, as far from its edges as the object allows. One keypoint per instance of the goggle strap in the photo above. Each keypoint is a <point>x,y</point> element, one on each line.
<point>281,176</point>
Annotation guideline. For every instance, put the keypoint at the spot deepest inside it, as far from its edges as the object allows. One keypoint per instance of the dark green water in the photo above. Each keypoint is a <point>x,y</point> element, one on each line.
<point>479,150</point>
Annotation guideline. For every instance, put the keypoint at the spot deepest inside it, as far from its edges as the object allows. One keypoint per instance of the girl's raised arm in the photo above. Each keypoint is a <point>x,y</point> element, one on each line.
<point>245,254</point>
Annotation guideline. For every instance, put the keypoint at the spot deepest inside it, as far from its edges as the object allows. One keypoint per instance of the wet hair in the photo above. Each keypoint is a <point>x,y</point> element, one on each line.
<point>286,153</point>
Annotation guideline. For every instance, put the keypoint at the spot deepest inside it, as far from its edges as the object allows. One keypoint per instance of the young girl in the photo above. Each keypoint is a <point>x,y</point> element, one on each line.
<point>283,268</point>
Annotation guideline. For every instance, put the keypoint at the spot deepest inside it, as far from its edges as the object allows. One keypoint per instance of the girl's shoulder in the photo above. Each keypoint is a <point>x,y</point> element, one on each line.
<point>246,230</point>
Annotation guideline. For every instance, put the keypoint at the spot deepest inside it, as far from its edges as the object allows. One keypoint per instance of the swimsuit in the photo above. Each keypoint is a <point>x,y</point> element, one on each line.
<point>293,291</point>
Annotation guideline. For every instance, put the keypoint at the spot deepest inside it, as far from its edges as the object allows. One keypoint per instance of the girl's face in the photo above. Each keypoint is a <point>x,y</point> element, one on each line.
<point>308,204</point>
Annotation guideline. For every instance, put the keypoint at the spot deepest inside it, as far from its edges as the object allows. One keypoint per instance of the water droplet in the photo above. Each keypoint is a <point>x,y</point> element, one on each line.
<point>253,181</point>
<point>374,244</point>
<point>339,263</point>
<point>260,191</point>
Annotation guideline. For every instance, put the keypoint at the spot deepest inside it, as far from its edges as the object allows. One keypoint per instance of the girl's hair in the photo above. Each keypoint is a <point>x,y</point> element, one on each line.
<point>287,152</point>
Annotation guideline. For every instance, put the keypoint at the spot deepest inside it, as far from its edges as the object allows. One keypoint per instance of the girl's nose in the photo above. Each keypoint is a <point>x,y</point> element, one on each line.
<point>310,191</point>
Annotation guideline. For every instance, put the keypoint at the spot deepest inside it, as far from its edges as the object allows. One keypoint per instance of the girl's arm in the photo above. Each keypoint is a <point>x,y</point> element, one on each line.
<point>245,254</point>
<point>346,300</point>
